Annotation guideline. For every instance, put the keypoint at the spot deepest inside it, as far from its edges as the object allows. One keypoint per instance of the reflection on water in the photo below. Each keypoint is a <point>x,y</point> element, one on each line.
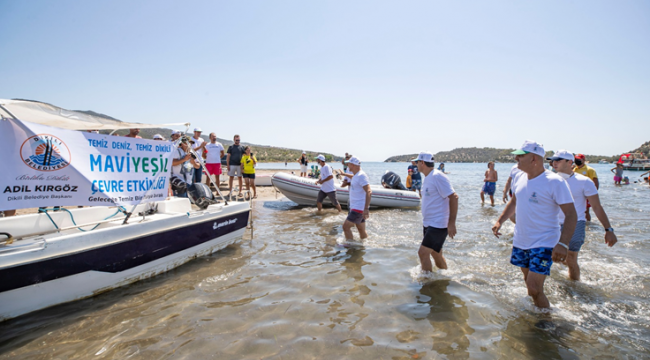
<point>293,292</point>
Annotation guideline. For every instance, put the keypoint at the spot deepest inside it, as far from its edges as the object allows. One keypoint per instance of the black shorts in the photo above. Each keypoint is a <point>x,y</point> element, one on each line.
<point>434,238</point>
<point>331,195</point>
<point>249,176</point>
<point>355,217</point>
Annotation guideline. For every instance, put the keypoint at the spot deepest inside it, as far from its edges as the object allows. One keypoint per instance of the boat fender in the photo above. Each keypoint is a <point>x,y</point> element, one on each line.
<point>9,240</point>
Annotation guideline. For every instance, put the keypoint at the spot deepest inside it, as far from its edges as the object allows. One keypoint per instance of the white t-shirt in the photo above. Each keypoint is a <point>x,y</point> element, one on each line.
<point>581,187</point>
<point>538,202</point>
<point>357,194</point>
<point>328,186</point>
<point>197,142</point>
<point>436,190</point>
<point>345,178</point>
<point>514,171</point>
<point>214,153</point>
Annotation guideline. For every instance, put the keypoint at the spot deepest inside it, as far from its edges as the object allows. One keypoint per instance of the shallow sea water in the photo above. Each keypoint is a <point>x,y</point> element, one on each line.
<point>291,291</point>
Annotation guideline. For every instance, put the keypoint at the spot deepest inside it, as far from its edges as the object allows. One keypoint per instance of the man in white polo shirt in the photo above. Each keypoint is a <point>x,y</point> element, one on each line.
<point>537,197</point>
<point>439,209</point>
<point>327,185</point>
<point>359,203</point>
<point>198,145</point>
<point>214,151</point>
<point>582,189</point>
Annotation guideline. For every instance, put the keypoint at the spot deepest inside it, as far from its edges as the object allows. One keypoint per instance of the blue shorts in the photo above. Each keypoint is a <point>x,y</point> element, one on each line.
<point>489,188</point>
<point>578,238</point>
<point>537,260</point>
<point>416,184</point>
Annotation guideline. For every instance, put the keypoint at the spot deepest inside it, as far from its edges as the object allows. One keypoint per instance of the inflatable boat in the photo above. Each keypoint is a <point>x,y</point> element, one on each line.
<point>303,191</point>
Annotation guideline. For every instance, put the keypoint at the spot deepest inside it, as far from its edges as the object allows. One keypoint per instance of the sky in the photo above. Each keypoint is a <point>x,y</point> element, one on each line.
<point>372,78</point>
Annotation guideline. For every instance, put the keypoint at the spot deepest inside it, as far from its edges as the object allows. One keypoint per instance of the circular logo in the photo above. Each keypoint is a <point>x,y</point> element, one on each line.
<point>44,152</point>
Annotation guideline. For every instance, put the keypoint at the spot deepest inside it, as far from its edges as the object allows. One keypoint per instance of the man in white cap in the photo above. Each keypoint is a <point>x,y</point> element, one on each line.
<point>359,202</point>
<point>327,185</point>
<point>582,189</point>
<point>537,197</point>
<point>158,137</point>
<point>198,146</point>
<point>439,209</point>
<point>175,137</point>
<point>214,151</point>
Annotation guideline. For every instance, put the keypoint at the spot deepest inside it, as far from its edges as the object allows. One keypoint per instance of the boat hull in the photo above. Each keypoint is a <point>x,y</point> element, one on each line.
<point>79,266</point>
<point>304,191</point>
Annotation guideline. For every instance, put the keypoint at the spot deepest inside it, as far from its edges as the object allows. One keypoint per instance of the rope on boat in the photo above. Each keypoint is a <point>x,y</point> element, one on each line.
<point>120,209</point>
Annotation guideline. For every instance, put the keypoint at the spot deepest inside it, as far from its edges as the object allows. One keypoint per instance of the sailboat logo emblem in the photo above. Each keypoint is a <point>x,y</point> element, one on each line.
<point>45,152</point>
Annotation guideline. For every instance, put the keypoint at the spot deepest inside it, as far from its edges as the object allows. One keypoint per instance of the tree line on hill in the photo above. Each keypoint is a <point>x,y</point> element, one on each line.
<point>483,155</point>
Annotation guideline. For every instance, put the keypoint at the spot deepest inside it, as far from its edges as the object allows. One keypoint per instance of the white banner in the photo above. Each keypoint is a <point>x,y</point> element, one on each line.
<point>47,166</point>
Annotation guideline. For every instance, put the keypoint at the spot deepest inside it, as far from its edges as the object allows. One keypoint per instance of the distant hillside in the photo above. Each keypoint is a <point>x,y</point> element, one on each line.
<point>483,155</point>
<point>263,153</point>
<point>643,149</point>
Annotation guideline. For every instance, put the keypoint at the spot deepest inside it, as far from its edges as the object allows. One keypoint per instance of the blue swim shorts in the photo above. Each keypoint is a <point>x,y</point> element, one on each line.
<point>578,238</point>
<point>416,184</point>
<point>537,260</point>
<point>489,188</point>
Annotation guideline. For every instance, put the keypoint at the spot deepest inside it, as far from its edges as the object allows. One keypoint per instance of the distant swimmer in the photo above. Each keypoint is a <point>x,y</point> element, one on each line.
<point>327,185</point>
<point>537,197</point>
<point>618,173</point>
<point>359,202</point>
<point>441,167</point>
<point>582,189</point>
<point>439,209</point>
<point>586,170</point>
<point>489,183</point>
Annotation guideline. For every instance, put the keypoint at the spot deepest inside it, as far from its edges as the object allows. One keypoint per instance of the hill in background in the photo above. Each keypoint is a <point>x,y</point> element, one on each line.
<point>263,153</point>
<point>483,155</point>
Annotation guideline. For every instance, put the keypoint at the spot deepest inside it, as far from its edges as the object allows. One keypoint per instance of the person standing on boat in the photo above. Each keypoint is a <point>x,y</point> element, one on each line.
<point>304,164</point>
<point>345,166</point>
<point>583,169</point>
<point>537,197</point>
<point>233,163</point>
<point>359,202</point>
<point>618,173</point>
<point>183,166</point>
<point>198,145</point>
<point>416,178</point>
<point>439,209</point>
<point>582,189</point>
<point>214,151</point>
<point>327,188</point>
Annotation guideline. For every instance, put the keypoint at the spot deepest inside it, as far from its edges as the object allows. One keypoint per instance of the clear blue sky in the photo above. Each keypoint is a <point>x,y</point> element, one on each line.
<point>374,78</point>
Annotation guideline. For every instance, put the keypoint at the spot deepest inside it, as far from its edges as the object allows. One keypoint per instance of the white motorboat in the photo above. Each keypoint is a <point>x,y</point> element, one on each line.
<point>634,162</point>
<point>45,267</point>
<point>54,257</point>
<point>304,191</point>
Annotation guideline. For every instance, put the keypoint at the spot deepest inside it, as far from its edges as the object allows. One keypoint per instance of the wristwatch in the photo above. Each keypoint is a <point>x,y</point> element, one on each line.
<point>610,229</point>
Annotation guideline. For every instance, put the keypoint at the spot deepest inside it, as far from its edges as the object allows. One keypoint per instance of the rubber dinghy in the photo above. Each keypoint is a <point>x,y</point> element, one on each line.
<point>304,191</point>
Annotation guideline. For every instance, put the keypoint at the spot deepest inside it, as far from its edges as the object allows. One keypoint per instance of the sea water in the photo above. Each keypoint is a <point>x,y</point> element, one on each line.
<point>292,291</point>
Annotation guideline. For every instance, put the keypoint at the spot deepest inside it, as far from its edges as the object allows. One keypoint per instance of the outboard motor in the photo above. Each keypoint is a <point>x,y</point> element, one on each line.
<point>201,195</point>
<point>390,180</point>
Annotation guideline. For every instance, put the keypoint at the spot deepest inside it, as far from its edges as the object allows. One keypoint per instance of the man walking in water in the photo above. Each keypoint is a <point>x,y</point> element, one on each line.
<point>327,185</point>
<point>359,203</point>
<point>537,197</point>
<point>583,169</point>
<point>439,209</point>
<point>582,189</point>
<point>489,183</point>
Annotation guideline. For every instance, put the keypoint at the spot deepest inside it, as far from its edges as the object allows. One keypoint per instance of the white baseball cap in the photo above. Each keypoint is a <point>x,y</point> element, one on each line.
<point>304,152</point>
<point>198,129</point>
<point>531,146</point>
<point>176,132</point>
<point>353,160</point>
<point>425,156</point>
<point>562,155</point>
<point>321,158</point>
<point>157,136</point>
